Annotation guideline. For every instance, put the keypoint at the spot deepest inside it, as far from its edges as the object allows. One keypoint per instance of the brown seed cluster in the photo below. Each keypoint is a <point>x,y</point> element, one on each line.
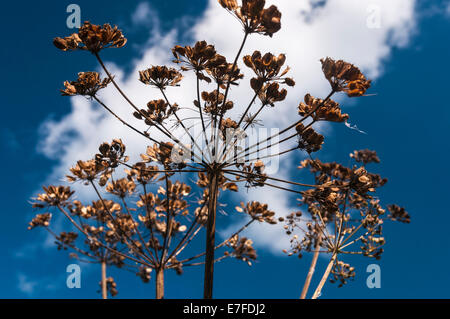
<point>100,210</point>
<point>228,127</point>
<point>223,72</point>
<point>270,93</point>
<point>214,103</point>
<point>93,38</point>
<point>242,249</point>
<point>267,67</point>
<point>312,234</point>
<point>53,196</point>
<point>144,273</point>
<point>88,84</point>
<point>160,76</point>
<point>65,239</point>
<point>203,58</point>
<point>345,77</point>
<point>320,110</point>
<point>254,17</point>
<point>111,286</point>
<point>42,220</point>
<point>309,139</point>
<point>110,155</point>
<point>258,211</point>
<point>357,178</point>
<point>157,111</point>
<point>142,173</point>
<point>269,76</point>
<point>342,273</point>
<point>366,156</point>
<point>341,192</point>
<point>223,183</point>
<point>196,58</point>
<point>159,153</point>
<point>121,187</point>
<point>398,213</point>
<point>88,171</point>
<point>253,174</point>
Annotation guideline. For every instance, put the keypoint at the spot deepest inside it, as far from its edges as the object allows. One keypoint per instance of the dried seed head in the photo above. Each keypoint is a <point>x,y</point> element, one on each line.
<point>254,17</point>
<point>88,84</point>
<point>160,76</point>
<point>345,77</point>
<point>93,38</point>
<point>40,220</point>
<point>366,156</point>
<point>320,110</point>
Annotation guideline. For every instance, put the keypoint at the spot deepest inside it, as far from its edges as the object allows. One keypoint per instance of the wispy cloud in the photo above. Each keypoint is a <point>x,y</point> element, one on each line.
<point>26,285</point>
<point>38,286</point>
<point>145,15</point>
<point>33,287</point>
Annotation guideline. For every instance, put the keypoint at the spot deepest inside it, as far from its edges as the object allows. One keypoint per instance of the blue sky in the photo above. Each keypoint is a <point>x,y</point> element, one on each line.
<point>407,123</point>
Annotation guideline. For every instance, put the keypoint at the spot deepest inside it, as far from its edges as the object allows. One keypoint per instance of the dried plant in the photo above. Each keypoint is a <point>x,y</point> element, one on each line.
<point>344,216</point>
<point>138,230</point>
<point>219,154</point>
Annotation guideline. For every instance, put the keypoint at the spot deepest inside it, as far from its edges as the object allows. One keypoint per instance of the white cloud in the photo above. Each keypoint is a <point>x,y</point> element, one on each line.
<point>144,15</point>
<point>38,286</point>
<point>26,285</point>
<point>336,28</point>
<point>268,236</point>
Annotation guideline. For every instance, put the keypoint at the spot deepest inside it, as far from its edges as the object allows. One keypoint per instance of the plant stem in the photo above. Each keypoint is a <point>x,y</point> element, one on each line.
<point>289,127</point>
<point>210,235</point>
<point>160,283</point>
<point>312,268</point>
<point>103,284</point>
<point>324,277</point>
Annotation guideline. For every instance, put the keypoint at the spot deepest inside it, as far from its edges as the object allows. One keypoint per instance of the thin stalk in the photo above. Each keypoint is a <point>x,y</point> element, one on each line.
<point>214,125</point>
<point>210,235</point>
<point>229,82</point>
<point>271,185</point>
<point>341,222</point>
<point>168,134</point>
<point>181,123</point>
<point>279,142</point>
<point>239,125</point>
<point>290,126</point>
<point>324,277</point>
<point>269,177</point>
<point>232,69</point>
<point>163,171</point>
<point>131,244</point>
<point>115,84</point>
<point>264,157</point>
<point>245,128</point>
<point>188,241</point>
<point>141,238</point>
<point>160,283</point>
<point>99,242</point>
<point>169,216</point>
<point>123,122</point>
<point>254,117</point>
<point>201,116</point>
<point>186,235</point>
<point>248,108</point>
<point>221,244</point>
<point>147,212</point>
<point>312,268</point>
<point>103,283</point>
